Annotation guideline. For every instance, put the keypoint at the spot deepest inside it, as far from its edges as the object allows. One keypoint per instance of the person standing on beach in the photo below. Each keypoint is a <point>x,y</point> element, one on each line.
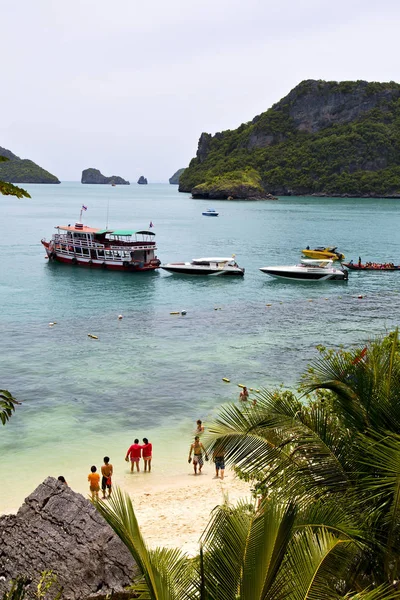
<point>106,471</point>
<point>133,454</point>
<point>219,460</point>
<point>197,449</point>
<point>147,451</point>
<point>94,480</point>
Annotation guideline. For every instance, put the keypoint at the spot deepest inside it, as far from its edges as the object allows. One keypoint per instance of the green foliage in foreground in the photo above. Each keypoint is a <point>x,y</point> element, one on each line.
<point>7,406</point>
<point>339,444</point>
<point>357,158</point>
<point>278,551</point>
<point>8,189</point>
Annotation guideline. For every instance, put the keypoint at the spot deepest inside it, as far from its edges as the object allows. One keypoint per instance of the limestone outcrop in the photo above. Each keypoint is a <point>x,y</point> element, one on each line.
<point>59,530</point>
<point>325,138</point>
<point>142,180</point>
<point>94,176</point>
<point>22,170</point>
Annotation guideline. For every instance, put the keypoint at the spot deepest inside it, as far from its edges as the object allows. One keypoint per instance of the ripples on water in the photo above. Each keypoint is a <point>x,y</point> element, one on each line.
<point>153,371</point>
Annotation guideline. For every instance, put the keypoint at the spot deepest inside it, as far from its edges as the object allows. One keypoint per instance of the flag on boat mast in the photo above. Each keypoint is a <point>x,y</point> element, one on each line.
<point>82,208</point>
<point>151,224</point>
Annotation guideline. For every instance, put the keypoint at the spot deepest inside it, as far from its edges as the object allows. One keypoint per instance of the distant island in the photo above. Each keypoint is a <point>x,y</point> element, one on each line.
<point>323,139</point>
<point>142,180</point>
<point>23,170</point>
<point>94,176</point>
<point>174,180</point>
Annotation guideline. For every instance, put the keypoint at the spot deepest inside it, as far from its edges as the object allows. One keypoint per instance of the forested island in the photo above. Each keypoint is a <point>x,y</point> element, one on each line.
<point>23,170</point>
<point>94,176</point>
<point>323,138</point>
<point>174,180</point>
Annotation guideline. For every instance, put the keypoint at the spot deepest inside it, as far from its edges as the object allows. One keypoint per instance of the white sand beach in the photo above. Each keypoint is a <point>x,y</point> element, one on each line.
<point>175,514</point>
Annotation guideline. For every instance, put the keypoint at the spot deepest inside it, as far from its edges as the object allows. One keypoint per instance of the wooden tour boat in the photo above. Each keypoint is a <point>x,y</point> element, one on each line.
<point>113,249</point>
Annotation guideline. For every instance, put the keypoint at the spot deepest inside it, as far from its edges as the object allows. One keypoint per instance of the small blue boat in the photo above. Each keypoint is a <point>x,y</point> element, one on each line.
<point>210,213</point>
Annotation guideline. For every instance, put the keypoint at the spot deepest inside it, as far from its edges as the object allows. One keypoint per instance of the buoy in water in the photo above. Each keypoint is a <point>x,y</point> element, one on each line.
<point>241,385</point>
<point>53,323</point>
<point>183,312</point>
<point>94,337</point>
<point>175,312</point>
<point>251,389</point>
<point>226,380</point>
<point>268,305</point>
<point>120,317</point>
<point>258,391</point>
<point>360,297</point>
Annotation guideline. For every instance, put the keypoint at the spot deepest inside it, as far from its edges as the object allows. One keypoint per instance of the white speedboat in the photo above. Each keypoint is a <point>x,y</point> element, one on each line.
<point>218,267</point>
<point>308,270</point>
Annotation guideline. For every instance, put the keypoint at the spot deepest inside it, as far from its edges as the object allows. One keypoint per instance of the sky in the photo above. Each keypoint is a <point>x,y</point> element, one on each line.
<point>128,87</point>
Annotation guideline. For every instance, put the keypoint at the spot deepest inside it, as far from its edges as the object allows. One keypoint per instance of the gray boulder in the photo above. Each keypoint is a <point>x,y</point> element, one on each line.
<point>59,530</point>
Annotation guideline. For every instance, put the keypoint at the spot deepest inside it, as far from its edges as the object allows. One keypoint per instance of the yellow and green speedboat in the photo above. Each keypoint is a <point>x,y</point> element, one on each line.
<point>328,252</point>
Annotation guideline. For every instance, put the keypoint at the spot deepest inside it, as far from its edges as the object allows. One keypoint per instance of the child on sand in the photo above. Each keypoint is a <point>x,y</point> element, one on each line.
<point>133,454</point>
<point>106,471</point>
<point>94,479</point>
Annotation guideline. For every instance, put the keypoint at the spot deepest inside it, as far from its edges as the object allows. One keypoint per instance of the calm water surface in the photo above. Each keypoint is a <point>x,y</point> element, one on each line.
<point>153,374</point>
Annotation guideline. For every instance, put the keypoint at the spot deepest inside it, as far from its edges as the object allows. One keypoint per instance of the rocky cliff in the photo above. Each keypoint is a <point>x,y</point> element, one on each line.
<point>59,530</point>
<point>22,170</point>
<point>323,138</point>
<point>174,180</point>
<point>94,176</point>
<point>142,180</point>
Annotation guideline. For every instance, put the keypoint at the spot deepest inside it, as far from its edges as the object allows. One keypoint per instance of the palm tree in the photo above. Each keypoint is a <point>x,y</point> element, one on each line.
<point>277,551</point>
<point>342,446</point>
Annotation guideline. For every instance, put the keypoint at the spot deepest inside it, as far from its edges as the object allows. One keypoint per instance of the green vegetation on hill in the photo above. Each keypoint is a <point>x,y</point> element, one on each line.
<point>18,170</point>
<point>323,138</point>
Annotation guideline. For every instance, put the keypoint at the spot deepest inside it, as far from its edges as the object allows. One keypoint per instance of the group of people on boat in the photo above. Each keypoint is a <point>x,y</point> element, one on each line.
<point>388,266</point>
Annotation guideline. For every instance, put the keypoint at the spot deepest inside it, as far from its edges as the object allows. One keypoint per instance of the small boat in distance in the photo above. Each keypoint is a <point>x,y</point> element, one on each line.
<point>113,249</point>
<point>217,267</point>
<point>210,213</point>
<point>328,252</point>
<point>371,266</point>
<point>308,270</point>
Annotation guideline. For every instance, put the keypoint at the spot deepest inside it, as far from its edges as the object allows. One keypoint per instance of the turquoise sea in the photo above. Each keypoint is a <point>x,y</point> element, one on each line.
<point>152,373</point>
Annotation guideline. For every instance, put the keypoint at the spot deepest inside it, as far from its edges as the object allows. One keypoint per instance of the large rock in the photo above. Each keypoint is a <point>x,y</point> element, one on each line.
<point>142,180</point>
<point>94,176</point>
<point>325,138</point>
<point>22,170</point>
<point>59,530</point>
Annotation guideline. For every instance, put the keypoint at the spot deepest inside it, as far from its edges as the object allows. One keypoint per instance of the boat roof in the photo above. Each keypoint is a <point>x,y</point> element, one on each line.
<point>81,229</point>
<point>213,259</point>
<point>86,229</point>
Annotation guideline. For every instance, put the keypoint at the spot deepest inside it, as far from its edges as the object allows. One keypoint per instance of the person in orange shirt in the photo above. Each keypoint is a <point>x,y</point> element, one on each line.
<point>94,480</point>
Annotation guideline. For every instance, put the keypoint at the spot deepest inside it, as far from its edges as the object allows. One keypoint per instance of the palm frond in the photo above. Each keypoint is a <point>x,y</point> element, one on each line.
<point>7,405</point>
<point>165,574</point>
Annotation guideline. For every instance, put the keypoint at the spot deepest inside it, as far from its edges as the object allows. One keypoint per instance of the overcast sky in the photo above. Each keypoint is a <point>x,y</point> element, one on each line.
<point>128,86</point>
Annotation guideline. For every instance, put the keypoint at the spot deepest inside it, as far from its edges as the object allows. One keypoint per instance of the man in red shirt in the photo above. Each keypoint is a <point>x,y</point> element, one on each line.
<point>147,451</point>
<point>133,454</point>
